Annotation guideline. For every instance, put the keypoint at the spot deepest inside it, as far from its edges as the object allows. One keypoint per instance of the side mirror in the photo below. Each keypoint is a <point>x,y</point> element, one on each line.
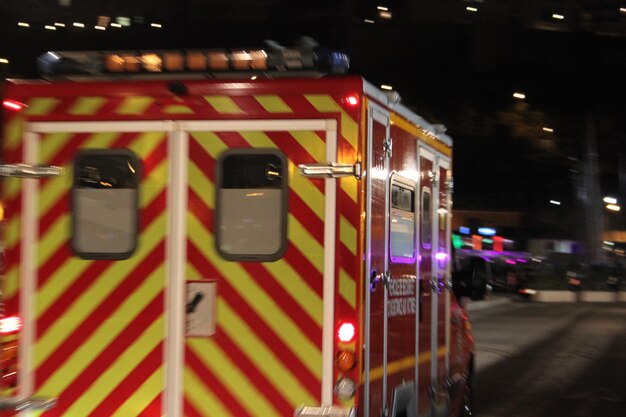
<point>472,278</point>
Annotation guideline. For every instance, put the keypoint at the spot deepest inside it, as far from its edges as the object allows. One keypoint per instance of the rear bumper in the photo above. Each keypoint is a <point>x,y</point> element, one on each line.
<point>325,411</point>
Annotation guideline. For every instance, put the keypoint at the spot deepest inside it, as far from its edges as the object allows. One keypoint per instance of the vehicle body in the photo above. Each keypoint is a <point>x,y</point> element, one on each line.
<point>208,239</point>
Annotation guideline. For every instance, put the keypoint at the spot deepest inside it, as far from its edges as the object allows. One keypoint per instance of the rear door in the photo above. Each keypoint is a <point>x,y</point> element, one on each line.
<point>257,249</point>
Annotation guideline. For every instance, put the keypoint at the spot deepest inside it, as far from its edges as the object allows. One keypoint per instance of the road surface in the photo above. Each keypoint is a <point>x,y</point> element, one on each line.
<point>550,359</point>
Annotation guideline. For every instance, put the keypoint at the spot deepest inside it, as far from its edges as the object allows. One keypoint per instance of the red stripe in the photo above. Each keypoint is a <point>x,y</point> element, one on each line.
<point>202,159</point>
<point>249,105</point>
<point>257,324</point>
<point>348,208</point>
<point>214,384</point>
<point>101,313</point>
<point>300,105</point>
<point>13,156</point>
<point>307,217</point>
<point>234,140</point>
<point>189,410</point>
<point>154,409</point>
<point>60,207</point>
<point>100,364</point>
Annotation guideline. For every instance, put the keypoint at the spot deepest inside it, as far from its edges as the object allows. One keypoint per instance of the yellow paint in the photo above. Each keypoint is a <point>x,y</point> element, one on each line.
<point>264,359</point>
<point>13,133</point>
<point>204,401</point>
<point>325,104</point>
<point>272,103</point>
<point>350,186</point>
<point>143,396</point>
<point>12,187</point>
<point>97,342</point>
<point>261,302</point>
<point>347,288</point>
<point>403,364</point>
<point>347,234</point>
<point>211,143</point>
<point>223,104</point>
<point>306,243</point>
<point>235,381</point>
<point>12,233</point>
<point>88,301</point>
<point>41,106</point>
<point>136,105</point>
<point>307,191</point>
<point>85,106</point>
<point>313,144</point>
<point>421,134</point>
<point>11,283</point>
<point>178,109</point>
<point>119,369</point>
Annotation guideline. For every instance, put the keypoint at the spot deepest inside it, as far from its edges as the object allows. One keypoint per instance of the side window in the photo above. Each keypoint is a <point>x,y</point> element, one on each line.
<point>105,204</point>
<point>251,207</point>
<point>426,218</point>
<point>402,217</point>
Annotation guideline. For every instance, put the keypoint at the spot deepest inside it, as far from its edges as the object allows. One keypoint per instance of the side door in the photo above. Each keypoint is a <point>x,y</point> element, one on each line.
<point>376,262</point>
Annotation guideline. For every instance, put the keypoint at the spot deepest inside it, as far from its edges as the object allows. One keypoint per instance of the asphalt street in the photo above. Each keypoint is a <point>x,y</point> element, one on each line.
<point>549,359</point>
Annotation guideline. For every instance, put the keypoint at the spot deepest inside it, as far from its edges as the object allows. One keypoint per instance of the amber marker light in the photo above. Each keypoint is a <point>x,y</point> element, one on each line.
<point>345,360</point>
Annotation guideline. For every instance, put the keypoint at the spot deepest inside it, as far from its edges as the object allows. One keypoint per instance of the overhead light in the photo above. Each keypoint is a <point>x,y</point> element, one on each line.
<point>471,9</point>
<point>558,16</point>
<point>155,25</point>
<point>368,21</point>
<point>622,10</point>
<point>23,24</point>
<point>521,96</point>
<point>116,25</point>
<point>59,24</point>
<point>548,129</point>
<point>78,25</point>
<point>383,8</point>
<point>4,61</point>
<point>613,207</point>
<point>386,87</point>
<point>385,14</point>
<point>610,200</point>
<point>98,27</point>
<point>50,27</point>
<point>555,202</point>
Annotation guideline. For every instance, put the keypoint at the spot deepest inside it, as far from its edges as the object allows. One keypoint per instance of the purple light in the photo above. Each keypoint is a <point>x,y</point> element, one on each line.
<point>510,262</point>
<point>523,261</point>
<point>441,256</point>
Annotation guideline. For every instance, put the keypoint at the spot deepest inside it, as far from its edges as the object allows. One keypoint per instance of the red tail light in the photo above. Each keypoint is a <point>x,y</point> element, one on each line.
<point>351,100</point>
<point>13,105</point>
<point>10,325</point>
<point>346,332</point>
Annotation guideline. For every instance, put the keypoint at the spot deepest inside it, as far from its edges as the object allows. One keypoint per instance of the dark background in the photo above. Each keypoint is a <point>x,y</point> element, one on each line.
<point>450,65</point>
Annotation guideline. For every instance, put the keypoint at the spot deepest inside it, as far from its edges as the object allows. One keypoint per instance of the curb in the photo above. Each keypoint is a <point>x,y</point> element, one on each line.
<point>582,296</point>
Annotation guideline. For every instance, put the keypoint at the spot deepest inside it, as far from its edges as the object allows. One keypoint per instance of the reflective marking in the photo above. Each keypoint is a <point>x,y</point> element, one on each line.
<point>232,377</point>
<point>313,144</point>
<point>347,288</point>
<point>178,109</point>
<point>41,106</point>
<point>325,104</point>
<point>272,103</point>
<point>13,134</point>
<point>306,243</point>
<point>414,130</point>
<point>403,364</point>
<point>223,104</point>
<point>202,399</point>
<point>350,186</point>
<point>87,106</point>
<point>135,105</point>
<point>142,397</point>
<point>348,234</point>
<point>263,357</point>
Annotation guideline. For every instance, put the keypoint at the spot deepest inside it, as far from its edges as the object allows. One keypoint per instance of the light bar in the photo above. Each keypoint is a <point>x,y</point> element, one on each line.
<point>98,63</point>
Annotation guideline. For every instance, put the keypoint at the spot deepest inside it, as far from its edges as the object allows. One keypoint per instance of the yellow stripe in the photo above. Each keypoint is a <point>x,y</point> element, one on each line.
<point>313,144</point>
<point>41,106</point>
<point>135,105</point>
<point>347,288</point>
<point>84,305</point>
<point>350,186</point>
<point>325,104</point>
<point>204,401</point>
<point>118,370</point>
<point>82,357</point>
<point>13,133</point>
<point>236,382</point>
<point>11,283</point>
<point>178,109</point>
<point>272,103</point>
<point>12,232</point>
<point>403,364</point>
<point>262,356</point>
<point>262,303</point>
<point>309,193</point>
<point>306,243</point>
<point>87,105</point>
<point>422,134</point>
<point>143,396</point>
<point>347,234</point>
<point>51,144</point>
<point>223,104</point>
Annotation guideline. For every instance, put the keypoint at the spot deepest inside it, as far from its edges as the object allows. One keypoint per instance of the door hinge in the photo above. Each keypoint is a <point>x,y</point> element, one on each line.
<point>388,147</point>
<point>330,170</point>
<point>29,171</point>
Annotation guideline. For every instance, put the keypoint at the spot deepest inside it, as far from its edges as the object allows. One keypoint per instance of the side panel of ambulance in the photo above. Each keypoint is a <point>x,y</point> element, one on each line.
<point>182,265</point>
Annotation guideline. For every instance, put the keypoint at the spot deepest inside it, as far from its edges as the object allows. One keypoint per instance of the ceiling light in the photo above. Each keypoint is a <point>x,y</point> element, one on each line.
<point>521,96</point>
<point>558,16</point>
<point>116,25</point>
<point>50,27</point>
<point>4,61</point>
<point>155,25</point>
<point>548,129</point>
<point>386,87</point>
<point>23,24</point>
<point>78,25</point>
<point>471,9</point>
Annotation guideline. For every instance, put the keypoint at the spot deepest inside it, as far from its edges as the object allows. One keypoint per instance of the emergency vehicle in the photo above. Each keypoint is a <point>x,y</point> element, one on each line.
<point>228,233</point>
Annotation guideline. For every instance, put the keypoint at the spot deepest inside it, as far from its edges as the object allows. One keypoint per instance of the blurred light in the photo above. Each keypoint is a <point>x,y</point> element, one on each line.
<point>613,207</point>
<point>610,200</point>
<point>23,24</point>
<point>441,256</point>
<point>510,261</point>
<point>104,20</point>
<point>123,20</point>
<point>521,96</point>
<point>471,9</point>
<point>555,202</point>
<point>385,15</point>
<point>622,10</point>
<point>606,242</point>
<point>116,25</point>
<point>386,87</point>
<point>10,325</point>
<point>13,105</point>
<point>346,332</point>
<point>254,77</point>
<point>4,61</point>
<point>383,8</point>
<point>464,230</point>
<point>78,25</point>
<point>156,25</point>
<point>351,100</point>
<point>50,27</point>
<point>59,24</point>
<point>97,27</point>
<point>487,231</point>
<point>368,20</point>
<point>558,16</point>
<point>548,129</point>
<point>527,291</point>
